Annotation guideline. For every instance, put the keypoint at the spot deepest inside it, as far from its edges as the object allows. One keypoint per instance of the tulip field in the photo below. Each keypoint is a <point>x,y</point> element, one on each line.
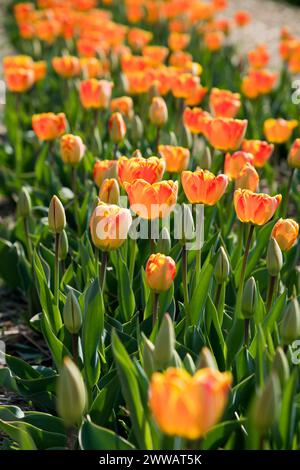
<point>150,182</point>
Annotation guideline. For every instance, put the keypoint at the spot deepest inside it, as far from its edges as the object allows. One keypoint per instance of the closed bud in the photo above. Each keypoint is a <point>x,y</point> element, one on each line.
<point>185,136</point>
<point>137,154</point>
<point>71,393</point>
<point>117,127</point>
<point>205,159</point>
<point>24,203</point>
<point>222,267</point>
<point>164,343</point>
<point>250,298</point>
<point>274,258</point>
<point>56,215</point>
<point>158,111</point>
<point>266,405</point>
<point>137,128</point>
<point>148,356</point>
<point>71,149</point>
<point>290,326</point>
<point>176,360</point>
<point>189,364</point>
<point>110,191</point>
<point>164,242</point>
<point>72,314</point>
<point>206,359</point>
<point>281,366</point>
<point>63,246</point>
<point>123,83</point>
<point>173,139</point>
<point>153,91</point>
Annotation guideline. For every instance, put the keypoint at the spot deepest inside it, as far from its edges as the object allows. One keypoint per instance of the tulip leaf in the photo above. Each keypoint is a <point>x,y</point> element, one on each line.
<point>125,292</point>
<point>219,434</point>
<point>287,419</point>
<point>200,294</point>
<point>93,437</point>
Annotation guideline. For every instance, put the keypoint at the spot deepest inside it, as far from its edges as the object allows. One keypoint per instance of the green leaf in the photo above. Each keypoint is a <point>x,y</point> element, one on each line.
<point>220,433</point>
<point>125,293</point>
<point>93,437</point>
<point>200,294</point>
<point>57,348</point>
<point>287,420</point>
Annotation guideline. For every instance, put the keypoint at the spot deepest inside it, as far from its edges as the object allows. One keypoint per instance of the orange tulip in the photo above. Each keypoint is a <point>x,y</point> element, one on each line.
<point>260,150</point>
<point>279,131</point>
<point>66,66</point>
<point>285,232</point>
<point>110,191</point>
<point>224,103</point>
<point>158,111</point>
<point>185,405</point>
<point>104,169</point>
<point>49,126</point>
<point>294,154</point>
<point>176,158</point>
<point>178,41</point>
<point>255,208</point>
<point>124,104</point>
<point>259,57</point>
<point>248,178</point>
<point>184,84</point>
<point>196,96</point>
<point>194,119</point>
<point>138,38</point>
<point>160,272</point>
<point>40,70</point>
<point>151,201</point>
<point>109,226</point>
<point>156,55</point>
<point>117,127</point>
<point>213,40</point>
<point>242,18</point>
<point>149,169</point>
<point>17,62</point>
<point>19,80</point>
<point>71,149</point>
<point>203,187</point>
<point>225,133</point>
<point>91,67</point>
<point>235,163</point>
<point>95,93</point>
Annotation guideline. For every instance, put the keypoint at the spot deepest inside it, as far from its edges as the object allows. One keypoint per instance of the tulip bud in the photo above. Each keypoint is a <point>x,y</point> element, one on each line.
<point>123,83</point>
<point>71,149</point>
<point>56,215</point>
<point>164,343</point>
<point>160,272</point>
<point>188,227</point>
<point>63,246</point>
<point>189,364</point>
<point>153,92</point>
<point>148,356</point>
<point>250,298</point>
<point>185,136</point>
<point>205,159</point>
<point>176,361</point>
<point>117,127</point>
<point>158,111</point>
<point>72,314</point>
<point>137,154</point>
<point>290,326</point>
<point>164,242</point>
<point>281,366</point>
<point>274,258</point>
<point>173,139</point>
<point>71,393</point>
<point>222,267</point>
<point>137,128</point>
<point>24,203</point>
<point>206,359</point>
<point>266,406</point>
<point>110,191</point>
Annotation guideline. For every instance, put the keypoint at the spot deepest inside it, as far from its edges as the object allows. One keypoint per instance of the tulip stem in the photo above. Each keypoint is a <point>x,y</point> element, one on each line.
<point>116,149</point>
<point>155,308</point>
<point>132,254</point>
<point>198,266</point>
<point>74,189</point>
<point>75,347</point>
<point>243,270</point>
<point>218,295</point>
<point>288,191</point>
<point>246,331</point>
<point>271,290</point>
<point>184,280</point>
<point>157,138</point>
<point>27,237</point>
<point>56,269</point>
<point>102,270</point>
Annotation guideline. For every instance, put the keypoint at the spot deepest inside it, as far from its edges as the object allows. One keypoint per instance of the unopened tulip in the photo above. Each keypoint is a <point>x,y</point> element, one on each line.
<point>206,360</point>
<point>72,314</point>
<point>137,128</point>
<point>104,169</point>
<point>117,127</point>
<point>176,158</point>
<point>203,187</point>
<point>225,133</point>
<point>148,356</point>
<point>56,215</point>
<point>274,258</point>
<point>266,406</point>
<point>280,366</point>
<point>110,191</point>
<point>71,393</point>
<point>294,155</point>
<point>109,226</point>
<point>235,163</point>
<point>149,169</point>
<point>290,325</point>
<point>164,343</point>
<point>248,178</point>
<point>279,131</point>
<point>224,103</point>
<point>71,149</point>
<point>151,201</point>
<point>260,150</point>
<point>222,268</point>
<point>49,126</point>
<point>95,93</point>
<point>24,203</point>
<point>164,242</point>
<point>255,208</point>
<point>249,298</point>
<point>285,232</point>
<point>160,272</point>
<point>63,247</point>
<point>158,111</point>
<point>205,159</point>
<point>185,405</point>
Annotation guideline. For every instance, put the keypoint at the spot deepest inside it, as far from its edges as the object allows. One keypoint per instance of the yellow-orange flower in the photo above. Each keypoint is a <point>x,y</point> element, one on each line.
<point>259,57</point>
<point>235,163</point>
<point>91,67</point>
<point>196,96</point>
<point>242,18</point>
<point>279,131</point>
<point>49,126</point>
<point>71,149</point>
<point>176,158</point>
<point>124,104</point>
<point>151,201</point>
<point>255,208</point>
<point>185,405</point>
<point>138,38</point>
<point>95,93</point>
<point>104,169</point>
<point>214,40</point>
<point>184,84</point>
<point>66,66</point>
<point>40,70</point>
<point>160,272</point>
<point>248,178</point>
<point>117,127</point>
<point>260,150</point>
<point>109,225</point>
<point>285,232</point>
<point>156,55</point>
<point>224,103</point>
<point>178,41</point>
<point>110,191</point>
<point>19,80</point>
<point>294,154</point>
<point>225,133</point>
<point>194,119</point>
<point>203,187</point>
<point>149,169</point>
<point>158,111</point>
